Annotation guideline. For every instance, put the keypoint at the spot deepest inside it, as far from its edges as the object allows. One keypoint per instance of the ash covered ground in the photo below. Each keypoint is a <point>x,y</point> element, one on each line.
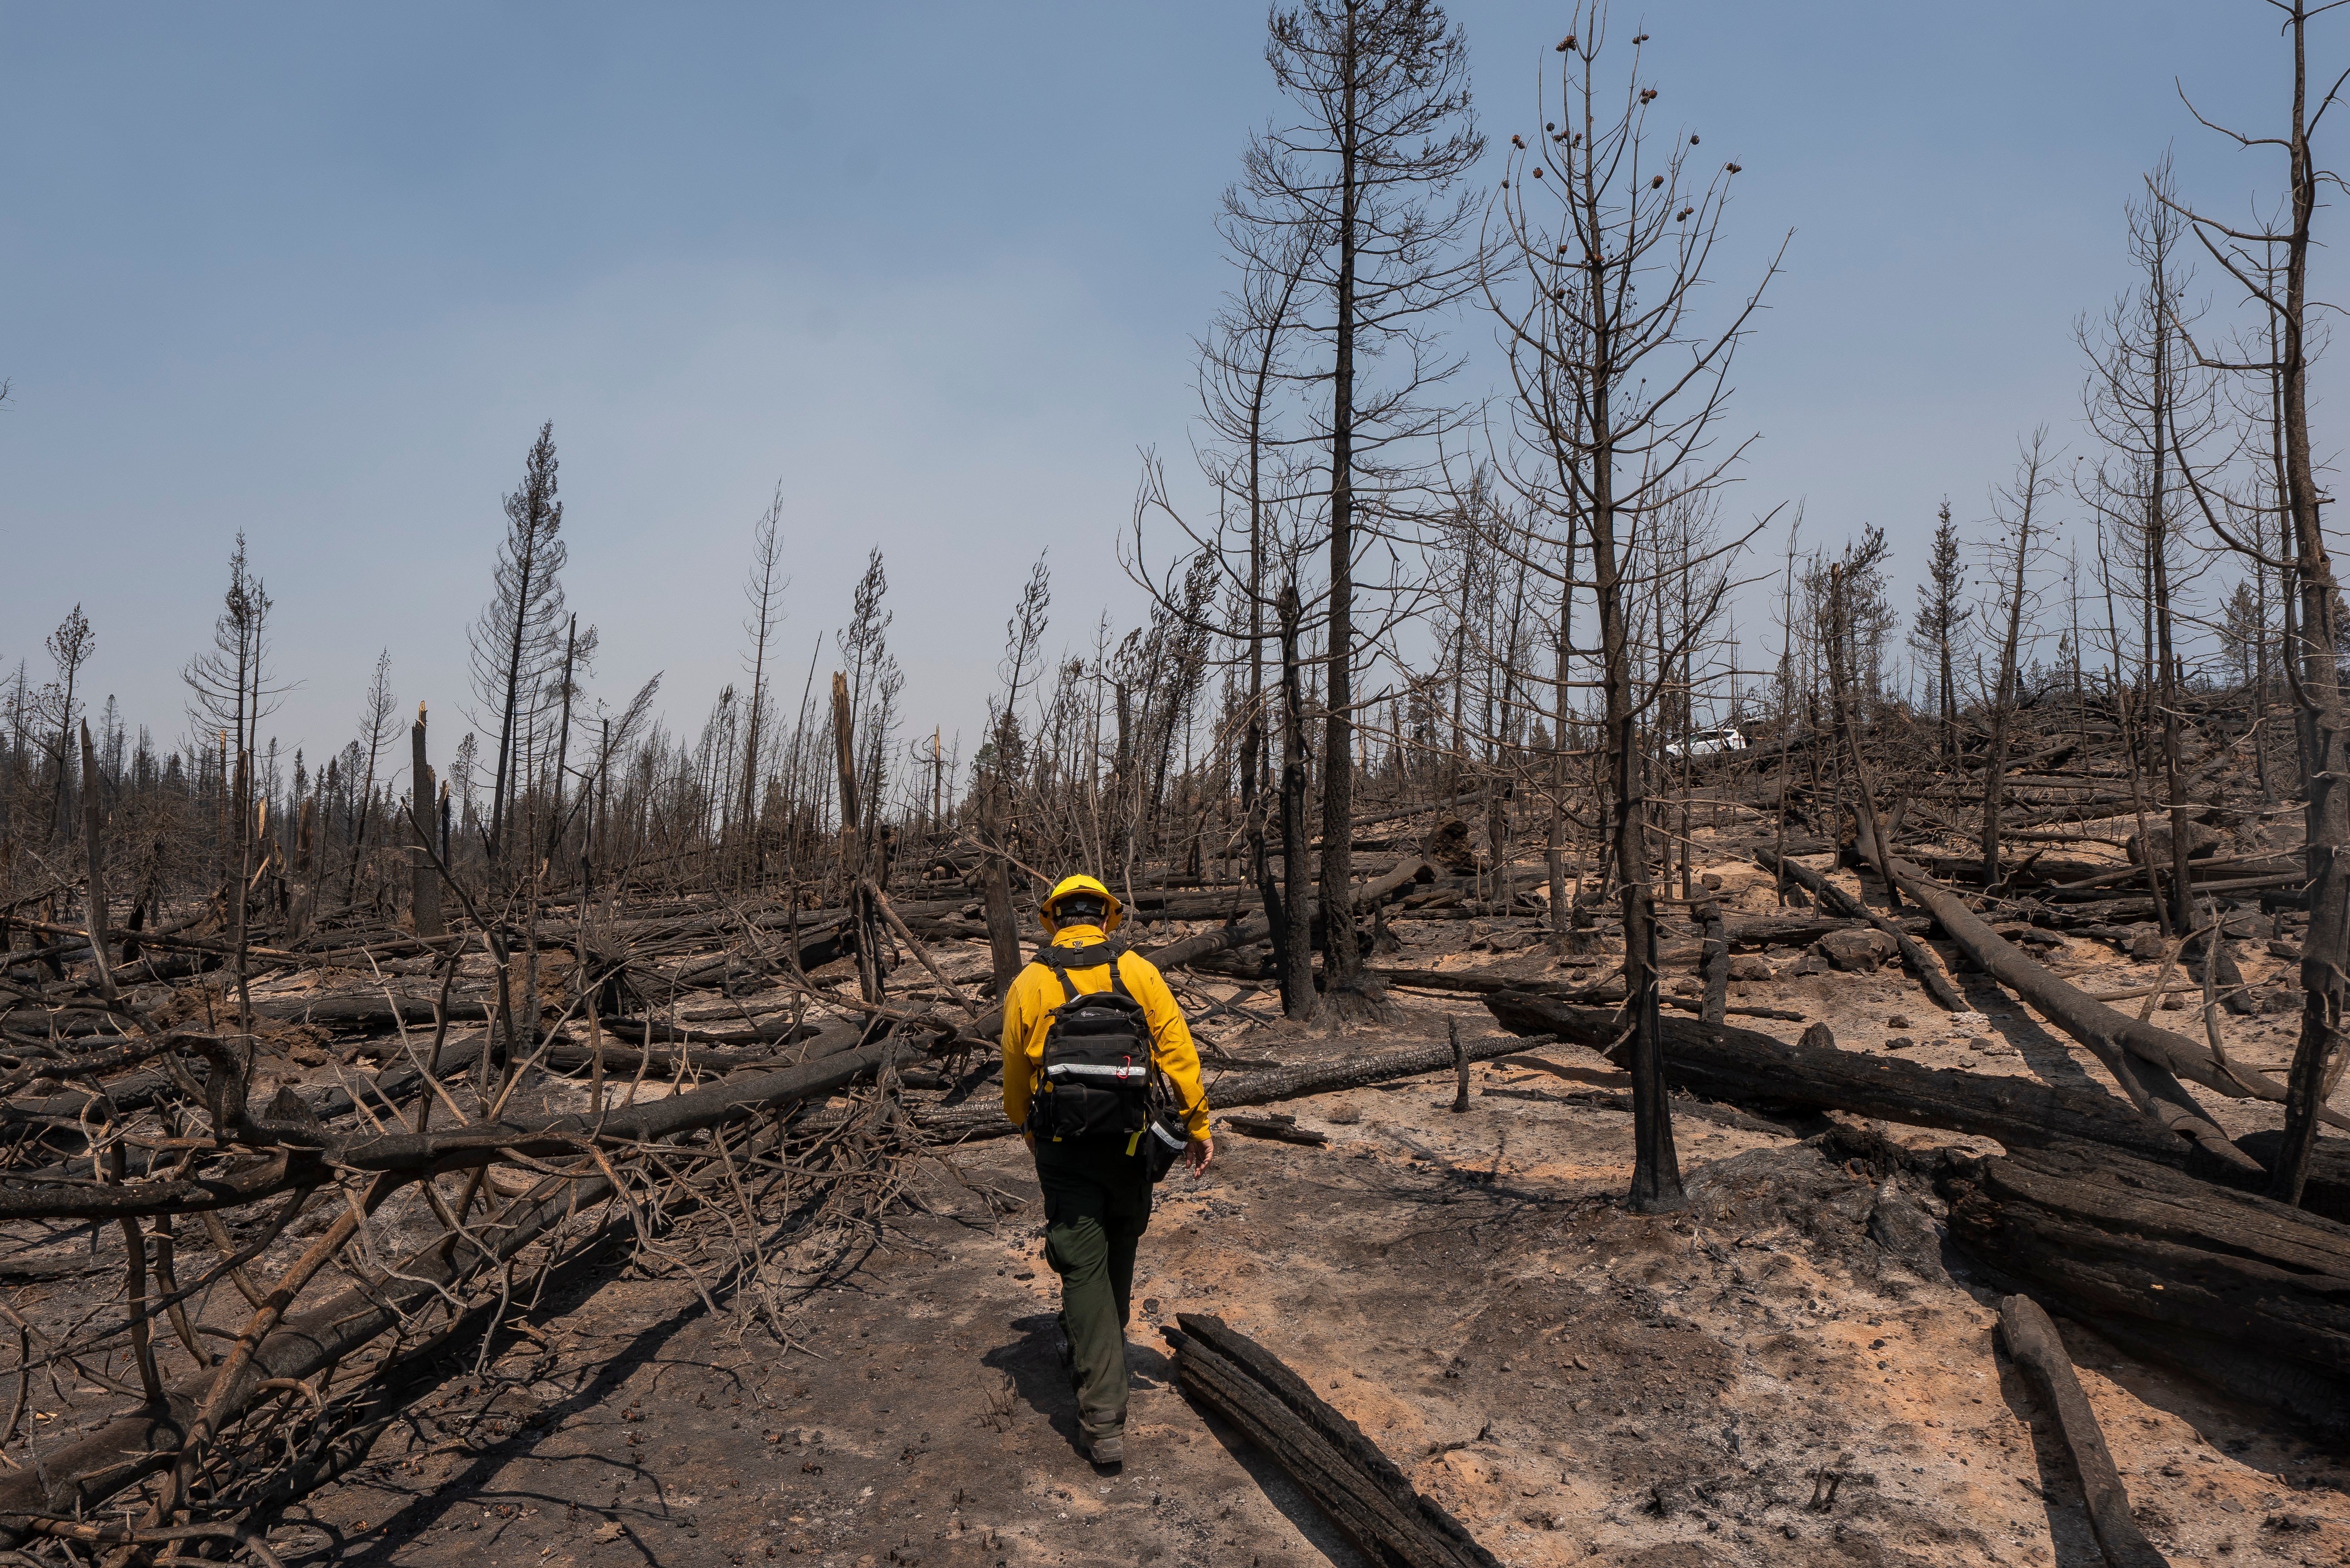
<point>1799,1369</point>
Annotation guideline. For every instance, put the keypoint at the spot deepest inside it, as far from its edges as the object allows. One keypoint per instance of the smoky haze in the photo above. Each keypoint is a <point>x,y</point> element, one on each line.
<point>319,276</point>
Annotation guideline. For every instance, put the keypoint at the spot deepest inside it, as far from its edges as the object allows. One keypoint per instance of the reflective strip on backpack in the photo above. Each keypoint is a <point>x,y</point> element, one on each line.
<point>1090,1070</point>
<point>1158,1130</point>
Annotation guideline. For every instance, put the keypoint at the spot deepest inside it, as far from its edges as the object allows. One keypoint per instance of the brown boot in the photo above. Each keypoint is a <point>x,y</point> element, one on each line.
<point>1102,1439</point>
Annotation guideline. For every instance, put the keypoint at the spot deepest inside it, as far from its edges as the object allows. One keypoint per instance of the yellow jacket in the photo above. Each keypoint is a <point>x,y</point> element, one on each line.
<point>1037,991</point>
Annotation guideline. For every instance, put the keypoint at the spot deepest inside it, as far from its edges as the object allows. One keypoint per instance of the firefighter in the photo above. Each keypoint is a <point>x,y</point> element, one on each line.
<point>1090,1035</point>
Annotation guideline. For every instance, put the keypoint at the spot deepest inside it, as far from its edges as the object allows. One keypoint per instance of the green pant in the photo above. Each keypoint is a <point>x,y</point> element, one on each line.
<point>1096,1206</point>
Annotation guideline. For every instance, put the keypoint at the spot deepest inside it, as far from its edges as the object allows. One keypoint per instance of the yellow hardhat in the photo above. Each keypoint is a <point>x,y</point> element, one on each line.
<point>1081,883</point>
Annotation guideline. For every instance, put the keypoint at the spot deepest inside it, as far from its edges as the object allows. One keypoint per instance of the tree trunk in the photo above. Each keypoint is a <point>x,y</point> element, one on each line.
<point>1293,951</point>
<point>555,823</point>
<point>1715,966</point>
<point>425,882</point>
<point>1873,847</point>
<point>862,916</point>
<point>298,914</point>
<point>2325,952</point>
<point>995,888</point>
<point>1656,1168</point>
<point>2003,709</point>
<point>94,896</point>
<point>1555,836</point>
<point>1347,985</point>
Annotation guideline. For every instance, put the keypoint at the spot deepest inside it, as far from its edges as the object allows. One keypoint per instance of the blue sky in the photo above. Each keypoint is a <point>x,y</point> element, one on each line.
<point>319,273</point>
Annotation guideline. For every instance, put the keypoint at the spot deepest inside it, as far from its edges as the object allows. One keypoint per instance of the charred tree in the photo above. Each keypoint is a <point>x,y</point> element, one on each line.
<point>2281,294</point>
<point>1939,623</point>
<point>424,881</point>
<point>2016,505</point>
<point>1371,170</point>
<point>513,640</point>
<point>1293,914</point>
<point>1611,257</point>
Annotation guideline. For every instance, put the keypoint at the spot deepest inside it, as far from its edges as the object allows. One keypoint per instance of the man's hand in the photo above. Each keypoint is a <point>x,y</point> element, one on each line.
<point>1198,1153</point>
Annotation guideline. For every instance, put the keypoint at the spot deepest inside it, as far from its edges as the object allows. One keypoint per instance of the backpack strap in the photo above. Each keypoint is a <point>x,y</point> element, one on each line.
<point>1061,960</point>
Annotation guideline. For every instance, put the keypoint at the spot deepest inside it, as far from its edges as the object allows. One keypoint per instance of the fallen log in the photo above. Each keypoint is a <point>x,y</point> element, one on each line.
<point>1460,982</point>
<point>2235,1287</point>
<point>1293,1082</point>
<point>1755,935</point>
<point>2044,869</point>
<point>1279,1128</point>
<point>819,943</point>
<point>1785,931</point>
<point>376,1010</point>
<point>2032,1343</point>
<point>627,1061</point>
<point>2145,1061</point>
<point>2228,887</point>
<point>1721,1062</point>
<point>775,1029</point>
<point>2264,863</point>
<point>1345,1474</point>
<point>1921,960</point>
<point>1745,1068</point>
<point>1484,983</point>
<point>254,953</point>
<point>1406,873</point>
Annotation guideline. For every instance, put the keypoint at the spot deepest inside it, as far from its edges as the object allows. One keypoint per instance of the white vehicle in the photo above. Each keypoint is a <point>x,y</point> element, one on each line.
<point>1707,743</point>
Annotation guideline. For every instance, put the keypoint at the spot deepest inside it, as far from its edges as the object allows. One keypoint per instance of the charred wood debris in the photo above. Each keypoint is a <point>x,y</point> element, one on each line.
<point>703,1079</point>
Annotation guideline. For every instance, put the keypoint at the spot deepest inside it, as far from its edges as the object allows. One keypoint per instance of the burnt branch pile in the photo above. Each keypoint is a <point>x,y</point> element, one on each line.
<point>244,1214</point>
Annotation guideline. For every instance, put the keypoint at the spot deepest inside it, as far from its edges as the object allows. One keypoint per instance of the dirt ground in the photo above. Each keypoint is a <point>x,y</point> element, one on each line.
<point>1794,1371</point>
<point>1773,1377</point>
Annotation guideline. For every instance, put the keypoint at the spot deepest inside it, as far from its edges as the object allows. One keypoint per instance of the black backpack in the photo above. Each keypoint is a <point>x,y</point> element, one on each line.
<point>1101,1079</point>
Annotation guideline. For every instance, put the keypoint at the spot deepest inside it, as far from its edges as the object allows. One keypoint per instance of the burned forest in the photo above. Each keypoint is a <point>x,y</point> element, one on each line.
<point>1734,1035</point>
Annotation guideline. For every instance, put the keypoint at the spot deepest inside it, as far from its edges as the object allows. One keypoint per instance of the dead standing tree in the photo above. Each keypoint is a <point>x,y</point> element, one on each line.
<point>515,640</point>
<point>864,913</point>
<point>230,684</point>
<point>2280,295</point>
<point>2138,403</point>
<point>69,648</point>
<point>425,882</point>
<point>2015,508</point>
<point>762,589</point>
<point>377,724</point>
<point>1248,382</point>
<point>1854,591</point>
<point>1618,389</point>
<point>1941,619</point>
<point>1371,170</point>
<point>999,764</point>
